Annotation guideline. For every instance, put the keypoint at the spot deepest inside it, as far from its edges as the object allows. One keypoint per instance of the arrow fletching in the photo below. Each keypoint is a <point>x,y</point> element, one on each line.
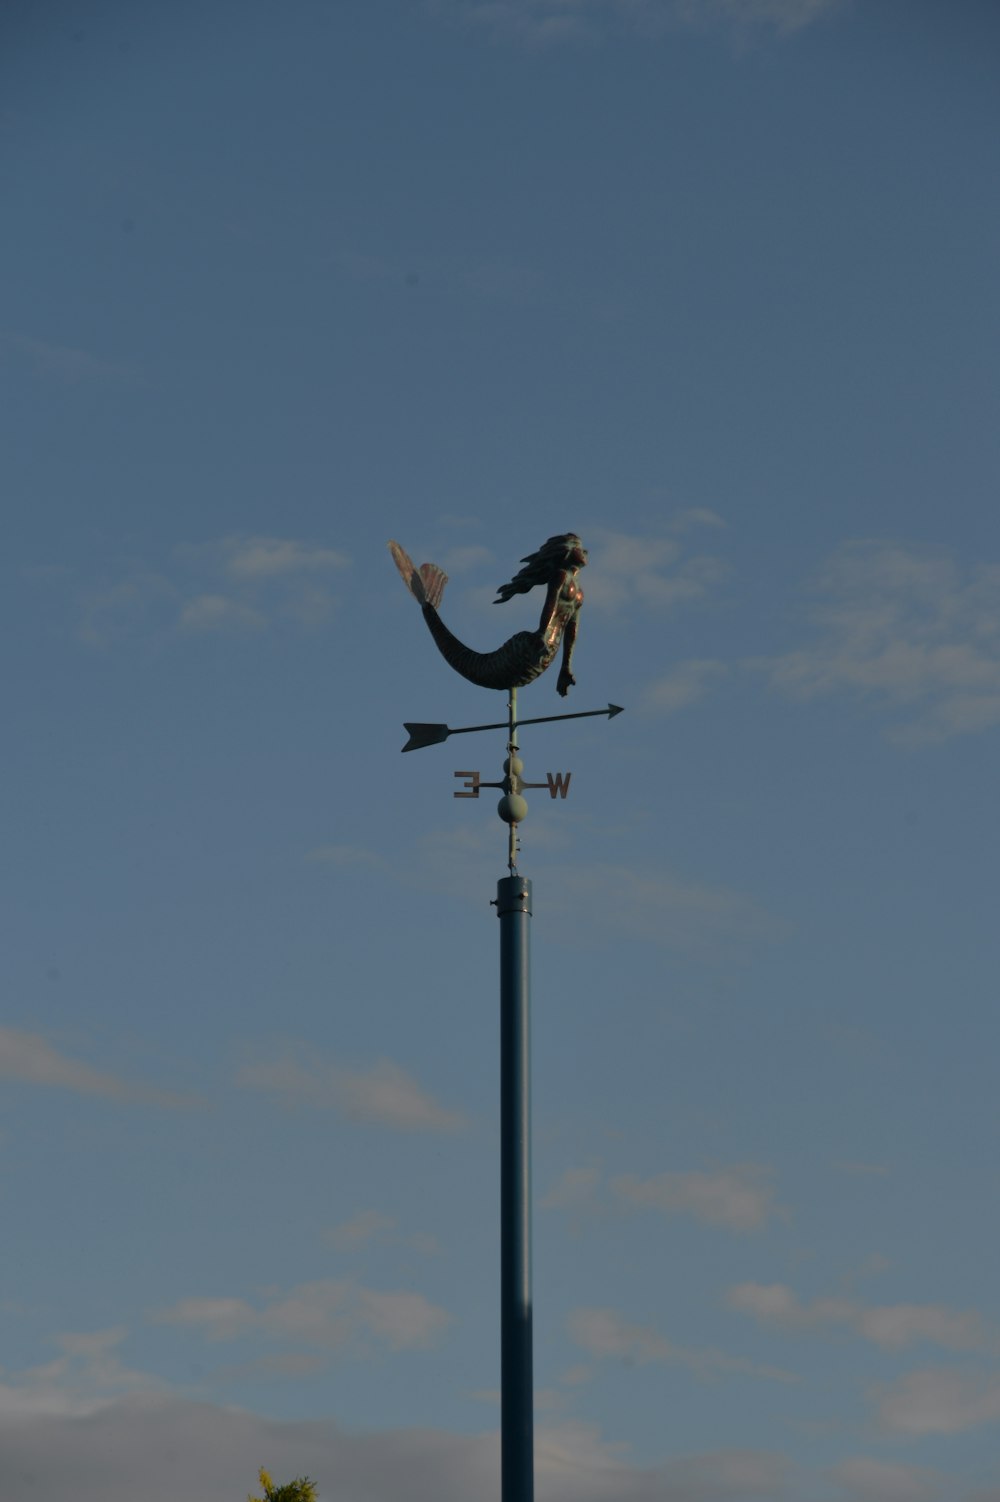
<point>424,735</point>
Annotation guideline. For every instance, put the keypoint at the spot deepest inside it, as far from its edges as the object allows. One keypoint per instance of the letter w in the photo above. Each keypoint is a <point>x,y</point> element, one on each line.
<point>556,783</point>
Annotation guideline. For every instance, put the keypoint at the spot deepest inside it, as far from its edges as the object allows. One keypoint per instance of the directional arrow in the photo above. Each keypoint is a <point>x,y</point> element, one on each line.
<point>433,735</point>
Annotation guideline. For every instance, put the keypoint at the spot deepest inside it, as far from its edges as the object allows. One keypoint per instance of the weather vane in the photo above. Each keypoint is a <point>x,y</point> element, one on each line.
<point>522,658</point>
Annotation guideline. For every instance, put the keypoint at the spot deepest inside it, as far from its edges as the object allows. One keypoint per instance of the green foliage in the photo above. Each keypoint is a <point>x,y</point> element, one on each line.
<point>299,1490</point>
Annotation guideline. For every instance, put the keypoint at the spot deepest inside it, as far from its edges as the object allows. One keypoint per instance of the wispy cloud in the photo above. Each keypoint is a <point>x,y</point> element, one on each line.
<point>533,23</point>
<point>660,907</point>
<point>31,1059</point>
<point>684,684</point>
<point>384,1094</point>
<point>137,603</point>
<point>218,613</point>
<point>891,1326</point>
<point>870,1480</point>
<point>329,1314</point>
<point>235,585</point>
<point>939,1400</point>
<point>650,572</point>
<point>781,16</point>
<point>741,1198</point>
<point>84,1377</point>
<point>605,1336</point>
<point>259,579</point>
<point>290,1364</point>
<point>369,1226</point>
<point>908,630</point>
<point>360,1230</point>
<point>547,22</point>
<point>691,517</point>
<point>738,1198</point>
<point>459,560</point>
<point>269,557</point>
<point>575,1189</point>
<point>64,363</point>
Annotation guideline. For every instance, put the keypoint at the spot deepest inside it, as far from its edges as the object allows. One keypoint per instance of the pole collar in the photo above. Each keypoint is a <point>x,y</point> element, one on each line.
<point>513,895</point>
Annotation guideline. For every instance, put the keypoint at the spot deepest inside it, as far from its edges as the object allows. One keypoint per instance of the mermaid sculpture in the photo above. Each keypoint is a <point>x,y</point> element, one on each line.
<point>526,655</point>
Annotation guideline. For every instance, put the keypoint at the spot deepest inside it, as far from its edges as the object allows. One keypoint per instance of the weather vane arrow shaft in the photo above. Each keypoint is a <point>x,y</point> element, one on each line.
<point>433,735</point>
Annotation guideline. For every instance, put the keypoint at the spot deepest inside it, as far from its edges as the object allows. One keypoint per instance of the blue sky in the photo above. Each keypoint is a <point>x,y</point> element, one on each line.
<point>712,283</point>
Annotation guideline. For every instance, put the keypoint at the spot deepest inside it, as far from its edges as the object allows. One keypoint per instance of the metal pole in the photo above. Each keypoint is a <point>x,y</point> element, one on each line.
<point>517,1398</point>
<point>516,1382</point>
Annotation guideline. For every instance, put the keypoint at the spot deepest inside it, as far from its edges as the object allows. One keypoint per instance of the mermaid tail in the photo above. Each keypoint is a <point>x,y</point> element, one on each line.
<point>521,659</point>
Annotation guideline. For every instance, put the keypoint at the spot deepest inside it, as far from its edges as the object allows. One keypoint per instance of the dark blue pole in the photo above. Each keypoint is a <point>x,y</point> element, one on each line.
<point>517,1396</point>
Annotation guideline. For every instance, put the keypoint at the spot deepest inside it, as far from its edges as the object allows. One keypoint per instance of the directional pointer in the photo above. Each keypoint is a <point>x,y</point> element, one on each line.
<point>433,735</point>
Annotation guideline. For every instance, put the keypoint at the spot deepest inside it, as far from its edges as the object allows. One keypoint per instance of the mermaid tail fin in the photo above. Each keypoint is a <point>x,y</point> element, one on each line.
<point>426,583</point>
<point>434,580</point>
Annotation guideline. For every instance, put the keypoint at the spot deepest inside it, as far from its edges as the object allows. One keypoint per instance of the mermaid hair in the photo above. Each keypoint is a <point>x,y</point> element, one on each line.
<point>540,566</point>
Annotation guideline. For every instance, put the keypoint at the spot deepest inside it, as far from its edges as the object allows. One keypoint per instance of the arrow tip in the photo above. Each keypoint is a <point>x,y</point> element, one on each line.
<point>613,709</point>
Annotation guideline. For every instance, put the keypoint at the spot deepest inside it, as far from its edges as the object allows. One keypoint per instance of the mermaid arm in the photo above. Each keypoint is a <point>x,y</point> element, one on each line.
<point>566,679</point>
